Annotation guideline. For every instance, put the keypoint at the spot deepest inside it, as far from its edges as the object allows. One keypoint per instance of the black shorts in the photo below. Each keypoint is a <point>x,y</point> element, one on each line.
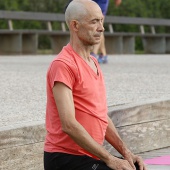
<point>63,161</point>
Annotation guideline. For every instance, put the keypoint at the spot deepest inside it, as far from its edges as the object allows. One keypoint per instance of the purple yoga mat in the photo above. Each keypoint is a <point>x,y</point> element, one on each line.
<point>162,160</point>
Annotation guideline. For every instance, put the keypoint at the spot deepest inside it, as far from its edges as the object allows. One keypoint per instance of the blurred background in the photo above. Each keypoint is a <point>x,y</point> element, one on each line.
<point>131,8</point>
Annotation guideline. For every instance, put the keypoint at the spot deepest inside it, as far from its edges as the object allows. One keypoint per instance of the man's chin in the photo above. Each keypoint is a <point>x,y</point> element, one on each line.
<point>97,42</point>
<point>94,43</point>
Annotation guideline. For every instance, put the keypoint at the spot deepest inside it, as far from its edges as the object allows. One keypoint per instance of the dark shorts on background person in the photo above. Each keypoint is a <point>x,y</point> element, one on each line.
<point>103,5</point>
<point>63,161</point>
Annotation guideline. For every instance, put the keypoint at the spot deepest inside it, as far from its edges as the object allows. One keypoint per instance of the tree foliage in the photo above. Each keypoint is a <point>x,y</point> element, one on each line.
<point>134,8</point>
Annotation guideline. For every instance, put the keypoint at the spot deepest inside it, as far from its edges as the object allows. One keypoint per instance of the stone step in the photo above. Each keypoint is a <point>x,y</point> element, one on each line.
<point>143,127</point>
<point>24,157</point>
<point>24,134</point>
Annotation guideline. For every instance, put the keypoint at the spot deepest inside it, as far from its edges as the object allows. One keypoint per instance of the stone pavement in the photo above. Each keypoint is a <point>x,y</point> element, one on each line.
<point>157,153</point>
<point>129,79</point>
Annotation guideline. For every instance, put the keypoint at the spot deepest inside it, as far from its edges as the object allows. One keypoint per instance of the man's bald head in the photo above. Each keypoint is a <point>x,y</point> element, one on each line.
<point>77,9</point>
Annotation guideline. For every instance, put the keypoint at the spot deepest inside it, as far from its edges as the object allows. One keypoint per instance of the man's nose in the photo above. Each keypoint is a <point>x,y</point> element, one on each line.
<point>101,27</point>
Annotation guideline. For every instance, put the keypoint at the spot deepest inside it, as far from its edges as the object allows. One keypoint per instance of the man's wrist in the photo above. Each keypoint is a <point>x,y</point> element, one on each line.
<point>106,158</point>
<point>127,154</point>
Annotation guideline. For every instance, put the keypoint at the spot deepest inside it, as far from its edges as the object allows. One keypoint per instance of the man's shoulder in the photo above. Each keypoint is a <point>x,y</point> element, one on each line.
<point>64,60</point>
<point>65,56</point>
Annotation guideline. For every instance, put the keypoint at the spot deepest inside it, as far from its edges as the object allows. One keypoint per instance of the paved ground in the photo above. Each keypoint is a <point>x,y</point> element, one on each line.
<point>157,153</point>
<point>129,79</point>
<point>158,167</point>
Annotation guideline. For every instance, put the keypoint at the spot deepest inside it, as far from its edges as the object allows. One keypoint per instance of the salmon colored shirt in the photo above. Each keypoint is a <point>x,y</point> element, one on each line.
<point>89,97</point>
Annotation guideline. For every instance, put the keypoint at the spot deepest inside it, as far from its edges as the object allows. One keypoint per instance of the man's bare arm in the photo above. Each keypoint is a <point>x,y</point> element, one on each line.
<point>65,105</point>
<point>114,139</point>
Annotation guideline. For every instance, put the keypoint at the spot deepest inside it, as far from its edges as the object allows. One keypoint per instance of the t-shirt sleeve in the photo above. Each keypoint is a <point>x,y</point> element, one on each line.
<point>61,72</point>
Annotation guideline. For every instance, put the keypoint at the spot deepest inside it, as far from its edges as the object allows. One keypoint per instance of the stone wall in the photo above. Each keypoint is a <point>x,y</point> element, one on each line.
<point>143,127</point>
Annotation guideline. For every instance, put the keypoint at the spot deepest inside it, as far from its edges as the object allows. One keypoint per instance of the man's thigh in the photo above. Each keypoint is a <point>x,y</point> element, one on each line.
<point>62,161</point>
<point>88,163</point>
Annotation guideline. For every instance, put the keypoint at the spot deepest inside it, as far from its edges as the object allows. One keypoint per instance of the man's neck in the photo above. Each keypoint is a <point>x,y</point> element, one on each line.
<point>82,50</point>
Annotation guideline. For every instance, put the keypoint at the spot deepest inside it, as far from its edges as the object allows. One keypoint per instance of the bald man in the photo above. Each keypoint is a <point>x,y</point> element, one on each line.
<point>76,112</point>
<point>99,50</point>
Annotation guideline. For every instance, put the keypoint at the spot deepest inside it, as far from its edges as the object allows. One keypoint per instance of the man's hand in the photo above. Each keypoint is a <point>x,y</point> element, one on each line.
<point>131,158</point>
<point>118,2</point>
<point>119,164</point>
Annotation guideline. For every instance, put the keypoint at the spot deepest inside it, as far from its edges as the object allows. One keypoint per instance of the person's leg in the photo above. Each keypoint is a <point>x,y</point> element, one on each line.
<point>88,163</point>
<point>102,56</point>
<point>62,161</point>
<point>96,48</point>
<point>49,161</point>
<point>102,47</point>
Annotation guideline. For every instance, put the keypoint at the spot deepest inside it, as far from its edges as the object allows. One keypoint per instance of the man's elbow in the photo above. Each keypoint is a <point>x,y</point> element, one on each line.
<point>68,128</point>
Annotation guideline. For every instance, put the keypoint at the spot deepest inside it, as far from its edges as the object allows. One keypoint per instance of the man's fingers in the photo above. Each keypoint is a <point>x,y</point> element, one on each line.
<point>131,163</point>
<point>141,164</point>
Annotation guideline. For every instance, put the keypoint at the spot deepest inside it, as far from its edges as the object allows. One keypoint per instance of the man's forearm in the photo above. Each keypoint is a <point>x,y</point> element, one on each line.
<point>114,139</point>
<point>77,132</point>
<point>83,139</point>
<point>71,126</point>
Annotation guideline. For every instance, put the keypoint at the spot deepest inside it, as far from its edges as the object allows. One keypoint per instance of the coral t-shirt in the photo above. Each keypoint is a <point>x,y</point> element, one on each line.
<point>89,97</point>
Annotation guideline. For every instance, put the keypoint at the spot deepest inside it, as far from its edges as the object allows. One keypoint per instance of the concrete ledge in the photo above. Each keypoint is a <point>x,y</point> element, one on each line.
<point>114,44</point>
<point>143,127</point>
<point>26,157</point>
<point>154,45</point>
<point>117,44</point>
<point>21,146</point>
<point>11,44</point>
<point>129,45</point>
<point>22,135</point>
<point>148,111</point>
<point>168,45</point>
<point>29,43</point>
<point>58,41</point>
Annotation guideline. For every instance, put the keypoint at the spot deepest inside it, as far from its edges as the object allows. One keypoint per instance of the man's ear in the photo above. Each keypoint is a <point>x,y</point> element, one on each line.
<point>75,25</point>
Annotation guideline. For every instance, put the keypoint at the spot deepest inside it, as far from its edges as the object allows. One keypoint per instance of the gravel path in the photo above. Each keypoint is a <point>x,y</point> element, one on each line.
<point>129,79</point>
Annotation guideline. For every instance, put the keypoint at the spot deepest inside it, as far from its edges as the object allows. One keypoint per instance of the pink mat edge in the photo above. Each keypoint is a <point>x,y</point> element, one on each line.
<point>161,160</point>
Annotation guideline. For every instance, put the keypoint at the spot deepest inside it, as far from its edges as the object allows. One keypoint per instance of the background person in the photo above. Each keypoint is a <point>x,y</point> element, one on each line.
<point>101,48</point>
<point>76,114</point>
